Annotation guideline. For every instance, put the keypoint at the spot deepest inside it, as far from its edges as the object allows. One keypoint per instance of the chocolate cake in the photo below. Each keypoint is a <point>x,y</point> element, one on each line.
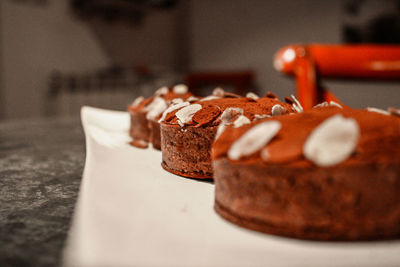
<point>329,173</point>
<point>189,129</point>
<point>145,114</point>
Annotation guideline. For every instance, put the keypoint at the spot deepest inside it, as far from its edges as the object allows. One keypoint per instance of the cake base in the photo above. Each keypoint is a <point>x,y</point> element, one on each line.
<point>155,136</point>
<point>196,175</point>
<point>341,203</point>
<point>139,128</point>
<point>187,151</point>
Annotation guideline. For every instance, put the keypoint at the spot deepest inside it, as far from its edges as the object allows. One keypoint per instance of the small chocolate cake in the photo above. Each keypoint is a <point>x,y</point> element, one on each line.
<point>189,129</point>
<point>329,173</point>
<point>145,114</point>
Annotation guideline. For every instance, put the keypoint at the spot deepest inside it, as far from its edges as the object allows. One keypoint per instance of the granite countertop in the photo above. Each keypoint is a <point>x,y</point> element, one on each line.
<point>41,164</point>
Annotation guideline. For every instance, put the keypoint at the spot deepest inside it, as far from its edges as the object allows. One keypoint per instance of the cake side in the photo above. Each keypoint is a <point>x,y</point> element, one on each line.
<point>351,202</point>
<point>187,152</point>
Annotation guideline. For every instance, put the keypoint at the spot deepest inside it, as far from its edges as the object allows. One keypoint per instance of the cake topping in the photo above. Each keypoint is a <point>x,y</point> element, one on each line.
<point>378,110</point>
<point>218,92</point>
<point>254,139</point>
<point>278,110</point>
<point>332,142</point>
<point>192,99</point>
<point>296,104</point>
<point>185,114</point>
<point>161,91</point>
<point>180,89</point>
<point>394,111</point>
<point>261,116</point>
<point>210,97</point>
<point>334,104</point>
<point>377,138</point>
<point>227,110</point>
<point>229,114</point>
<point>240,121</point>
<point>231,95</point>
<point>220,130</point>
<point>252,95</point>
<point>177,101</point>
<point>172,108</point>
<point>205,115</point>
<point>155,108</point>
<point>327,104</point>
<point>137,101</point>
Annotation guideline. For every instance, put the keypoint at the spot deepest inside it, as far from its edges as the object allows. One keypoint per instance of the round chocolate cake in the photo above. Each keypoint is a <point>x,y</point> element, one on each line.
<point>145,114</point>
<point>189,129</point>
<point>329,173</point>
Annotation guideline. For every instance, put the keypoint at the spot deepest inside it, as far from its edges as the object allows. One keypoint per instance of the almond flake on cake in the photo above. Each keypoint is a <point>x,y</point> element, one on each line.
<point>296,104</point>
<point>332,142</point>
<point>210,97</point>
<point>173,108</point>
<point>177,101</point>
<point>261,116</point>
<point>229,114</point>
<point>137,101</point>
<point>155,108</point>
<point>254,139</point>
<point>240,121</point>
<point>378,110</point>
<point>161,91</point>
<point>394,111</point>
<point>252,96</point>
<point>185,114</point>
<point>180,89</point>
<point>218,92</point>
<point>278,110</point>
<point>192,99</point>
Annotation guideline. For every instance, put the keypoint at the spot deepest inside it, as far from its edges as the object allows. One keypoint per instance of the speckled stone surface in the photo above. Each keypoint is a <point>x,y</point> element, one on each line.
<point>41,163</point>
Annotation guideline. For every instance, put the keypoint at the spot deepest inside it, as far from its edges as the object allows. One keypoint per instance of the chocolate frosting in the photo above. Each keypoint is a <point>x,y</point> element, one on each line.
<point>379,140</point>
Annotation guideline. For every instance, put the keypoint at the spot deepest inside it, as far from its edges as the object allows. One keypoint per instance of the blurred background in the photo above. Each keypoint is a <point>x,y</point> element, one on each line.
<point>56,55</point>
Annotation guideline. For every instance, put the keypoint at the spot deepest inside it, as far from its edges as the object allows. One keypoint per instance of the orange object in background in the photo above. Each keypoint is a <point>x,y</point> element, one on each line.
<point>309,63</point>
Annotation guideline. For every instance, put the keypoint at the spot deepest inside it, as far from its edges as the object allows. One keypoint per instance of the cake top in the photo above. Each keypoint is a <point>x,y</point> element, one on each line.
<point>155,105</point>
<point>324,136</point>
<point>226,108</point>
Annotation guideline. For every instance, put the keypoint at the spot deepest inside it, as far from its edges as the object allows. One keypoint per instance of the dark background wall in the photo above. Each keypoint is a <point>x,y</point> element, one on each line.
<point>195,35</point>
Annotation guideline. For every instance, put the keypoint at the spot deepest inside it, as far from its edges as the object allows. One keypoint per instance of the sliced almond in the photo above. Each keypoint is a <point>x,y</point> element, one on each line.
<point>240,121</point>
<point>180,89</point>
<point>137,101</point>
<point>177,101</point>
<point>185,114</point>
<point>296,104</point>
<point>155,108</point>
<point>278,110</point>
<point>230,114</point>
<point>172,108</point>
<point>378,110</point>
<point>332,142</point>
<point>218,92</point>
<point>161,91</point>
<point>252,96</point>
<point>210,97</point>
<point>254,139</point>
